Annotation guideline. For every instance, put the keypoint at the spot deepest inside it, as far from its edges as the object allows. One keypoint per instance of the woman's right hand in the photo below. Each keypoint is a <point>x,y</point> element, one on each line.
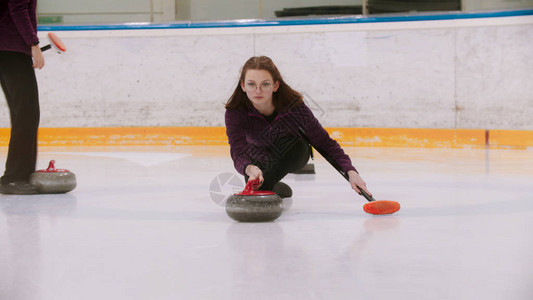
<point>254,172</point>
<point>38,57</point>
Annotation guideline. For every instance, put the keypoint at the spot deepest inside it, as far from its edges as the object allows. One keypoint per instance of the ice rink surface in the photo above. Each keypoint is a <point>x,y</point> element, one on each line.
<point>144,223</point>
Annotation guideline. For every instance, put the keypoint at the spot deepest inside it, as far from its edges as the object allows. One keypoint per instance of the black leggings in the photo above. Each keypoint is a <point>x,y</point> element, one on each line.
<point>284,162</point>
<point>18,81</point>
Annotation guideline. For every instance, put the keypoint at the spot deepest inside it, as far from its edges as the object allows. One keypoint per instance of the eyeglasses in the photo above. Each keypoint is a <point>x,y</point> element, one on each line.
<point>264,87</point>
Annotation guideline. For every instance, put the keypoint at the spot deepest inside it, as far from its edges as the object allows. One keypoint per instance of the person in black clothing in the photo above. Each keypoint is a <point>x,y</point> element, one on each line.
<point>19,55</point>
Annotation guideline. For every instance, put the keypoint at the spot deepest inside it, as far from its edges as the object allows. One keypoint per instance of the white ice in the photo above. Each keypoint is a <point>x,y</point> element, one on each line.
<point>142,224</point>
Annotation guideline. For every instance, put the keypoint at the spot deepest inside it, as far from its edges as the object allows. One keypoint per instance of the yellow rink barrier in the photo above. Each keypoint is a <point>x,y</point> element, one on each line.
<point>366,137</point>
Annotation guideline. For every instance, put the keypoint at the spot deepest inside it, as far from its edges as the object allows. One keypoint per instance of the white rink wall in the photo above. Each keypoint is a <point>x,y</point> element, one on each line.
<point>466,73</point>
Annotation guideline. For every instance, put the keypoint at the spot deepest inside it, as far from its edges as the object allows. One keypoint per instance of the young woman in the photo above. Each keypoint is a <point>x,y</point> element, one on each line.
<point>263,118</point>
<point>19,55</point>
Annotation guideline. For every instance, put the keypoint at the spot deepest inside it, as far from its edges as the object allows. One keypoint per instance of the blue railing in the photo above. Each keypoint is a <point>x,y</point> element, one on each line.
<point>293,22</point>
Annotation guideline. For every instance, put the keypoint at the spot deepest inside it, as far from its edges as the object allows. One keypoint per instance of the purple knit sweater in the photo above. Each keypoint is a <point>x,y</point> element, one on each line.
<point>251,136</point>
<point>18,25</point>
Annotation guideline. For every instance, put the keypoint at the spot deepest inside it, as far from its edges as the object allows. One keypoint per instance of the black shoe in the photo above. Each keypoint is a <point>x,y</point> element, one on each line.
<point>307,169</point>
<point>18,188</point>
<point>283,190</point>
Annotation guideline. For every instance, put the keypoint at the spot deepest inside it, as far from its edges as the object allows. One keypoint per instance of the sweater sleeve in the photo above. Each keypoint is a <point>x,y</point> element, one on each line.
<point>320,138</point>
<point>235,130</point>
<point>18,9</point>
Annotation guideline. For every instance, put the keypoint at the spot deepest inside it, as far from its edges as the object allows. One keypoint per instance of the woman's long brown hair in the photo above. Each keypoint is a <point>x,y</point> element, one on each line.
<point>283,99</point>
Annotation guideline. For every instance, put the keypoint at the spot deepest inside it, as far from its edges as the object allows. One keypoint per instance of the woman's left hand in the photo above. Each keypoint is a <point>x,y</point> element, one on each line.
<point>357,182</point>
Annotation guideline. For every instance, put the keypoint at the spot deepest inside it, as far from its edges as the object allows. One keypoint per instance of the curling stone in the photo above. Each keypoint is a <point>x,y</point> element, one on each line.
<point>252,205</point>
<point>52,180</point>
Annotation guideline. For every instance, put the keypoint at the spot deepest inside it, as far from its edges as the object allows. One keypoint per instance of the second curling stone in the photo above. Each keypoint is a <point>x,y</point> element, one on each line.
<point>52,180</point>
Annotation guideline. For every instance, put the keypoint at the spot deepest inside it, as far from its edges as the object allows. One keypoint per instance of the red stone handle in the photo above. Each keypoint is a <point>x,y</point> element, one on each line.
<point>52,168</point>
<point>251,189</point>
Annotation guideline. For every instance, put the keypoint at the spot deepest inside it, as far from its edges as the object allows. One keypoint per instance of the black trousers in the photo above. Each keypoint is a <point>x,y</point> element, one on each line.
<point>292,155</point>
<point>17,77</point>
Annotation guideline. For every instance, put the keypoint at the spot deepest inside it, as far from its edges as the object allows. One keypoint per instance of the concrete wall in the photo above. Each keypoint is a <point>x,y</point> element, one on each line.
<point>469,5</point>
<point>245,9</point>
<point>474,73</point>
<point>225,10</point>
<point>119,11</point>
<point>105,11</point>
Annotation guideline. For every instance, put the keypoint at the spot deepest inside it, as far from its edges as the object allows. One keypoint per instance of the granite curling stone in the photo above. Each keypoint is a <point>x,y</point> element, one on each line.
<point>252,205</point>
<point>52,180</point>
